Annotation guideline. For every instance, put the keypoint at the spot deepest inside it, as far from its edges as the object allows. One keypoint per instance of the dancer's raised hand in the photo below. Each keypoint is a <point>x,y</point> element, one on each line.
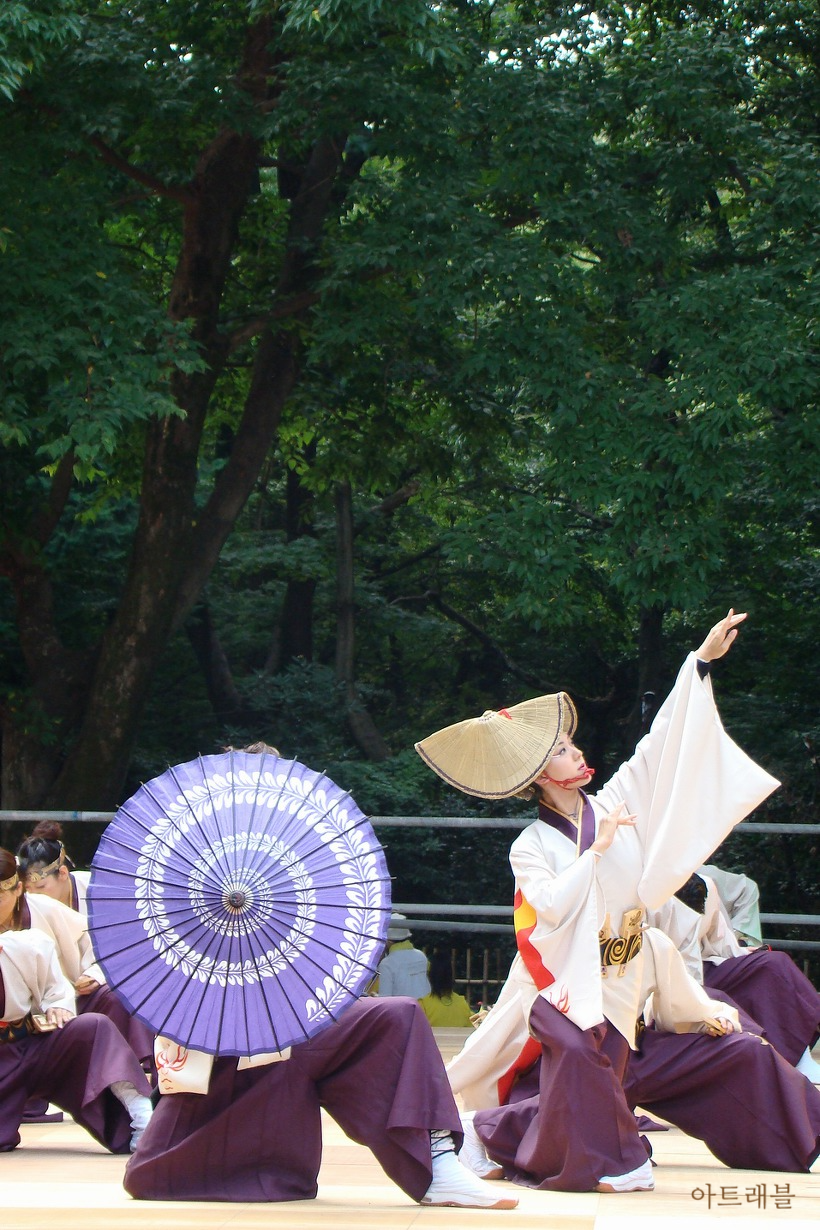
<point>719,639</point>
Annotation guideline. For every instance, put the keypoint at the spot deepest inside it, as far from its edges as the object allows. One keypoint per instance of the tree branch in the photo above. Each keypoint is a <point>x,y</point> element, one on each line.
<point>391,502</point>
<point>380,573</point>
<point>519,672</point>
<point>157,186</point>
<point>280,311</point>
<point>291,306</point>
<point>46,520</point>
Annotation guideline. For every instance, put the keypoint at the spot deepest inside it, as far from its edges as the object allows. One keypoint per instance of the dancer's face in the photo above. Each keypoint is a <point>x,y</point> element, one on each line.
<point>55,884</point>
<point>567,762</point>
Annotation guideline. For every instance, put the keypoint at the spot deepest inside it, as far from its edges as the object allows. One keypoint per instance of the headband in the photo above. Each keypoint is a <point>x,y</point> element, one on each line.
<point>34,877</point>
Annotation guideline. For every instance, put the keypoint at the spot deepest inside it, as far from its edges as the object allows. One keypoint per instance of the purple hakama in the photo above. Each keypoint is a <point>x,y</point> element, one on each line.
<point>256,1134</point>
<point>138,1036</point>
<point>736,1094</point>
<point>576,1126</point>
<point>769,987</point>
<point>72,1067</point>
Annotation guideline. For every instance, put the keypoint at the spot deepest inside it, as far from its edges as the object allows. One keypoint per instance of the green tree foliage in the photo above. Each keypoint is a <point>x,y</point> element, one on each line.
<point>216,149</point>
<point>30,33</point>
<point>533,285</point>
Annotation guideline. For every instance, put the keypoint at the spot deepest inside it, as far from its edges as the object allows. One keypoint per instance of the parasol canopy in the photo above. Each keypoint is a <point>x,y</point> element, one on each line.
<point>239,903</point>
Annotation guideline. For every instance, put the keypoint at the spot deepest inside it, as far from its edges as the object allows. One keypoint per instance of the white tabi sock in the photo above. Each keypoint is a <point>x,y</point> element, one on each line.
<point>809,1067</point>
<point>472,1153</point>
<point>638,1180</point>
<point>138,1106</point>
<point>454,1185</point>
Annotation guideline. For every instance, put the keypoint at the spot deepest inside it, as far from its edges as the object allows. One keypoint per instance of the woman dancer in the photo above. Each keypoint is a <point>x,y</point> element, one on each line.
<point>46,868</point>
<point>53,887</point>
<point>254,1133</point>
<point>584,873</point>
<point>250,1130</point>
<point>80,1063</point>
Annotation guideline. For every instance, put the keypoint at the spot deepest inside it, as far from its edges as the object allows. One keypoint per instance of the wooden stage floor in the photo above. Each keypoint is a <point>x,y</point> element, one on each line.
<point>59,1179</point>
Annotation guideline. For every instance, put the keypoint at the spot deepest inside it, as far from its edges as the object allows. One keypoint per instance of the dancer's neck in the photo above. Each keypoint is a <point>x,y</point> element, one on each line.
<point>566,802</point>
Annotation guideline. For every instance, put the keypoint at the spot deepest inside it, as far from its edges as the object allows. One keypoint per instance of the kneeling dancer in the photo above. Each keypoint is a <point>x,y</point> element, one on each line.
<point>544,1072</point>
<point>254,1133</point>
<point>81,1064</point>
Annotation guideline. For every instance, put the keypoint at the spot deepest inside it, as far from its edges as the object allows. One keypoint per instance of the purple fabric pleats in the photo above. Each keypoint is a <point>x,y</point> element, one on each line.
<point>72,1067</point>
<point>138,1036</point>
<point>736,1094</point>
<point>572,1127</point>
<point>256,1135</point>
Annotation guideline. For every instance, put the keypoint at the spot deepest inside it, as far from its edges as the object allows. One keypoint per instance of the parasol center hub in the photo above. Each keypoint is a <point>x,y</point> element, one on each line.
<point>238,899</point>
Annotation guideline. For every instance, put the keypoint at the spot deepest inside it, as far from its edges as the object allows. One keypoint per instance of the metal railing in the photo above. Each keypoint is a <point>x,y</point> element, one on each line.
<point>474,917</point>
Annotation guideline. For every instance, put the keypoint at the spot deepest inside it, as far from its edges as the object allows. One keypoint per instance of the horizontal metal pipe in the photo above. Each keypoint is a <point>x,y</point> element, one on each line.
<point>402,822</point>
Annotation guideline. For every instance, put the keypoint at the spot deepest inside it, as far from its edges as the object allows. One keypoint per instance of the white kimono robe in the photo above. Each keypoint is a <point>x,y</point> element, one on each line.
<point>32,978</point>
<point>689,784</point>
<point>69,931</point>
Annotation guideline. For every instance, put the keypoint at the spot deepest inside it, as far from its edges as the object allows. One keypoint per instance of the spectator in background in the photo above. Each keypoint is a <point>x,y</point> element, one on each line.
<point>444,1006</point>
<point>403,971</point>
<point>740,900</point>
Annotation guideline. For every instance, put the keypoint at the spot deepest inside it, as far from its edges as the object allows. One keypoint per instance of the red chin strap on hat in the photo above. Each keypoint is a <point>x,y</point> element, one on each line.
<point>569,782</point>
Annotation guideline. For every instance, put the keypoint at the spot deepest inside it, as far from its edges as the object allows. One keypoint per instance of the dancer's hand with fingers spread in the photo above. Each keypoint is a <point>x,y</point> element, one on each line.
<point>719,639</point>
<point>608,827</point>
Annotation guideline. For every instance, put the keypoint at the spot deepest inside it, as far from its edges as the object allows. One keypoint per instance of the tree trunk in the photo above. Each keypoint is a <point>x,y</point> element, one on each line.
<point>175,547</point>
<point>650,671</point>
<point>296,629</point>
<point>133,643</point>
<point>219,682</point>
<point>361,724</point>
<point>37,720</point>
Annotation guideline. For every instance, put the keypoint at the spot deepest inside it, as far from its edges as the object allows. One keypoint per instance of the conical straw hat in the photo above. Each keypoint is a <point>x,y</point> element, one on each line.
<point>496,755</point>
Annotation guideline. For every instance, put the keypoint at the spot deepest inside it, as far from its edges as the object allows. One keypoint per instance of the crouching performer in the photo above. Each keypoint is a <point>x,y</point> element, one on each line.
<point>82,1064</point>
<point>226,1130</point>
<point>544,1073</point>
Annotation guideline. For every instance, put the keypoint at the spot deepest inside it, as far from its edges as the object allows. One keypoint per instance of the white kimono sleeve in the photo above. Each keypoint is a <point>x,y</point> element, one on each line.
<point>717,939</point>
<point>677,1004</point>
<point>69,930</point>
<point>683,926</point>
<point>689,785</point>
<point>33,979</point>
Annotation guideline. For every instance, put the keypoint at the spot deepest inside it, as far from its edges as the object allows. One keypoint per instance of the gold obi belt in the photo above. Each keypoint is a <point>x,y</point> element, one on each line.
<point>620,949</point>
<point>13,1031</point>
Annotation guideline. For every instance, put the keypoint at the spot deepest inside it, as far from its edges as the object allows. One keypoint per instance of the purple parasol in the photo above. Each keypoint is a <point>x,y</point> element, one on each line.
<point>239,903</point>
